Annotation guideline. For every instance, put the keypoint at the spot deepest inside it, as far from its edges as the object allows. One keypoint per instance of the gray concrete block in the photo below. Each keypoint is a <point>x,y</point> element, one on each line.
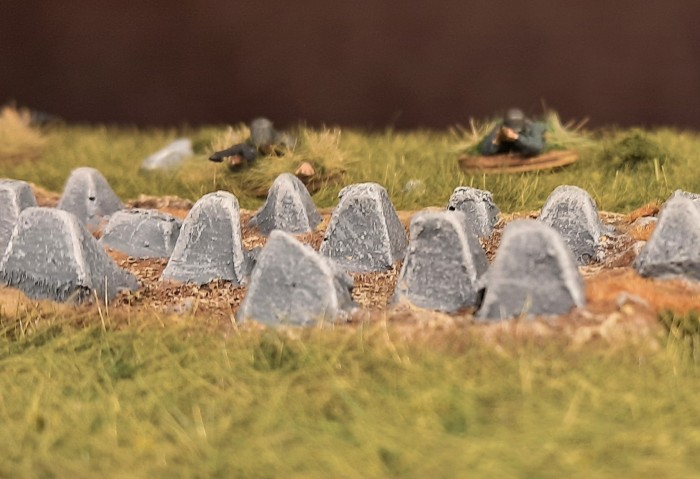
<point>51,255</point>
<point>478,206</point>
<point>572,212</point>
<point>288,207</point>
<point>170,156</point>
<point>293,284</point>
<point>89,197</point>
<point>443,263</point>
<point>142,233</point>
<point>534,273</point>
<point>364,233</point>
<point>210,244</point>
<point>15,196</point>
<point>672,249</point>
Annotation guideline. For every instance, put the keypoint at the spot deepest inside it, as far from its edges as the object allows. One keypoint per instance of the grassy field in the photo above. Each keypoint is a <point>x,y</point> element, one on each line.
<point>621,169</point>
<point>179,401</point>
<point>87,394</point>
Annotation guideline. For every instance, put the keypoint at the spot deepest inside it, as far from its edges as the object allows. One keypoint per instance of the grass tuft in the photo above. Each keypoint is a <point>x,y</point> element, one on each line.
<point>633,150</point>
<point>19,141</point>
<point>683,332</point>
<point>319,148</point>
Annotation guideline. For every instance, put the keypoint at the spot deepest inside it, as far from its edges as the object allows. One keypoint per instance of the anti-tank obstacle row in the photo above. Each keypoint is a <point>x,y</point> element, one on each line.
<point>443,269</point>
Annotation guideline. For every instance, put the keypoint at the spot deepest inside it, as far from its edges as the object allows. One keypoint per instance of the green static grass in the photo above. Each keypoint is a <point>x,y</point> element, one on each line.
<point>181,401</point>
<point>418,168</point>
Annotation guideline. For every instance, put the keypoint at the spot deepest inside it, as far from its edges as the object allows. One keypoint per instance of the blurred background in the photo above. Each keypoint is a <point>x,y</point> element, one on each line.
<point>365,63</point>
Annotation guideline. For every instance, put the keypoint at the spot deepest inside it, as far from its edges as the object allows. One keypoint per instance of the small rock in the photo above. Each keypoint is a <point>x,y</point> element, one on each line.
<point>443,263</point>
<point>89,197</point>
<point>142,233</point>
<point>15,196</point>
<point>288,207</point>
<point>479,207</point>
<point>169,156</point>
<point>210,243</point>
<point>292,284</point>
<point>672,249</point>
<point>533,273</point>
<point>572,212</point>
<point>364,233</point>
<point>52,256</point>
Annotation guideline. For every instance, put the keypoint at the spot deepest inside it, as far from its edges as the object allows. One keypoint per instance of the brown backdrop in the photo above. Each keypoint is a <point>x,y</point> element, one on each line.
<point>366,63</point>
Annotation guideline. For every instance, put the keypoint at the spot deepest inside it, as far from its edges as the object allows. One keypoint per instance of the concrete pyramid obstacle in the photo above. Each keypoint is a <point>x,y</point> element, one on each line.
<point>169,156</point>
<point>533,273</point>
<point>479,207</point>
<point>293,284</point>
<point>89,197</point>
<point>210,244</point>
<point>443,264</point>
<point>364,233</point>
<point>142,233</point>
<point>572,212</point>
<point>52,256</point>
<point>15,196</point>
<point>288,207</point>
<point>672,249</point>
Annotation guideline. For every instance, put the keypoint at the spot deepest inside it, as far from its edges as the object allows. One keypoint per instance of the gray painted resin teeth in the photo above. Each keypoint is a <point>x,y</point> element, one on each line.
<point>364,233</point>
<point>210,245</point>
<point>534,273</point>
<point>52,256</point>
<point>443,264</point>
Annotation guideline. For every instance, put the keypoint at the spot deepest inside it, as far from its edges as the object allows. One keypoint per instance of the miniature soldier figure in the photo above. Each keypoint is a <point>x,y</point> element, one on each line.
<point>516,134</point>
<point>264,140</point>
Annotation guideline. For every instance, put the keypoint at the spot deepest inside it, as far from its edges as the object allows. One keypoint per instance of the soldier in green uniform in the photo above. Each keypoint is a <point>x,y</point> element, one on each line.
<point>516,134</point>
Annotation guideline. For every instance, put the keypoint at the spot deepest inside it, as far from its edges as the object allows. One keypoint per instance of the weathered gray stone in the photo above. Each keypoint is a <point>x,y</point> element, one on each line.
<point>572,212</point>
<point>142,233</point>
<point>288,207</point>
<point>89,197</point>
<point>364,233</point>
<point>443,263</point>
<point>292,284</point>
<point>51,255</point>
<point>210,243</point>
<point>479,207</point>
<point>169,156</point>
<point>15,196</point>
<point>533,273</point>
<point>672,249</point>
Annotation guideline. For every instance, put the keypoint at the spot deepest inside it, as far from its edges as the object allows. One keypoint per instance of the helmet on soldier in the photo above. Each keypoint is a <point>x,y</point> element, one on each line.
<point>514,119</point>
